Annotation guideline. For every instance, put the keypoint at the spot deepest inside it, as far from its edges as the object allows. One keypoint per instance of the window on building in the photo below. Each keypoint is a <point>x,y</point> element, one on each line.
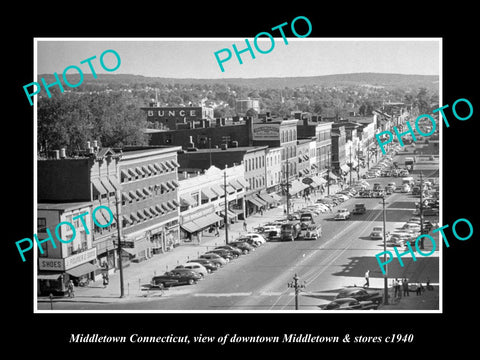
<point>149,113</point>
<point>41,224</point>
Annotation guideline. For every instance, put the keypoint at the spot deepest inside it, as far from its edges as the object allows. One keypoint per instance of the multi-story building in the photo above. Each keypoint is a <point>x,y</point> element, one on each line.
<point>174,117</point>
<point>150,205</point>
<point>72,258</point>
<point>338,150</point>
<point>202,200</point>
<point>91,176</point>
<point>252,157</point>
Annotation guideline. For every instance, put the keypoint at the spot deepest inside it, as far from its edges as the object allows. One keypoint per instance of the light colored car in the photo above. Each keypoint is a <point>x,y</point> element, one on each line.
<point>198,268</point>
<point>342,214</point>
<point>411,226</point>
<point>215,258</point>
<point>257,237</point>
<point>377,233</point>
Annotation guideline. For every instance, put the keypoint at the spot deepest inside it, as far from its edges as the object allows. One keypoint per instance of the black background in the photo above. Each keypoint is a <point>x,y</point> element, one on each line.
<point>48,334</point>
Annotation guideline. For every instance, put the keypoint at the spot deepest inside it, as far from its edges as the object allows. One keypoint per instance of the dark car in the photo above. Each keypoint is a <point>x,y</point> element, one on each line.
<point>249,241</point>
<point>214,258</point>
<point>350,304</point>
<point>233,249</point>
<point>226,254</point>
<point>209,265</point>
<point>244,246</point>
<point>360,294</point>
<point>174,278</point>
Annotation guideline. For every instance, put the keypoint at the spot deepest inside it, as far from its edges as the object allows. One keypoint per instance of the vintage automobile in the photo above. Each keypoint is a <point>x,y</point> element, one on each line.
<point>350,304</point>
<point>360,294</point>
<point>342,214</point>
<point>174,278</point>
<point>359,209</point>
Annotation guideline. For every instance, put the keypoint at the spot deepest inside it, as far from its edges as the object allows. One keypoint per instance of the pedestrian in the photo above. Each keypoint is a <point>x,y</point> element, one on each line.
<point>71,292</point>
<point>367,276</point>
<point>216,231</point>
<point>399,287</point>
<point>419,289</point>
<point>395,287</point>
<point>105,280</point>
<point>405,287</point>
<point>245,225</point>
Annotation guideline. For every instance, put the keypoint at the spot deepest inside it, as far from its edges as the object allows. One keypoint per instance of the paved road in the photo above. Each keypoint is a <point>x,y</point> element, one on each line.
<point>258,281</point>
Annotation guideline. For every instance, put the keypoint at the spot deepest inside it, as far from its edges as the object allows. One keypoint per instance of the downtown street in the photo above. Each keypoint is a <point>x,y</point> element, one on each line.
<point>259,280</point>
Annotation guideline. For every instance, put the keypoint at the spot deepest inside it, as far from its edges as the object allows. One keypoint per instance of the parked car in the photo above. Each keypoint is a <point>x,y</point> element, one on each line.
<point>227,255</point>
<point>257,237</point>
<point>360,294</point>
<point>350,304</point>
<point>244,246</point>
<point>194,267</point>
<point>253,242</point>
<point>342,214</point>
<point>174,278</point>
<point>209,265</point>
<point>214,258</point>
<point>233,249</point>
<point>307,217</point>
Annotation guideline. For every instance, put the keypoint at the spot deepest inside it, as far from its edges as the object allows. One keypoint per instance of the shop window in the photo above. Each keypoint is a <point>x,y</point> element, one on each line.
<point>41,224</point>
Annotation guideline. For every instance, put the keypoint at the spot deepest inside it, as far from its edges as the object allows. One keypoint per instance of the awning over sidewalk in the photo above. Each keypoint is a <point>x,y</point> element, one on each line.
<point>267,198</point>
<point>345,168</point>
<point>276,196</point>
<point>255,201</point>
<point>48,276</point>
<point>332,176</point>
<point>296,187</point>
<point>82,270</point>
<point>201,223</point>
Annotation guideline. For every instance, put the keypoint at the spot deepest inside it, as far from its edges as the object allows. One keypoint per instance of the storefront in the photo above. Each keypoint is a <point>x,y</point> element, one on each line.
<point>193,224</point>
<point>54,274</point>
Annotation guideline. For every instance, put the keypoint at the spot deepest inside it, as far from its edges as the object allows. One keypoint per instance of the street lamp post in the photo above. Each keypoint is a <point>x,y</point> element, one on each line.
<point>385,276</point>
<point>119,248</point>
<point>295,285</point>
<point>226,204</point>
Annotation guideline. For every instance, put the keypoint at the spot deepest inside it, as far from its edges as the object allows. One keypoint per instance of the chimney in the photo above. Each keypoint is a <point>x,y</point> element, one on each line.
<point>63,153</point>
<point>224,146</point>
<point>190,142</point>
<point>235,144</point>
<point>56,154</point>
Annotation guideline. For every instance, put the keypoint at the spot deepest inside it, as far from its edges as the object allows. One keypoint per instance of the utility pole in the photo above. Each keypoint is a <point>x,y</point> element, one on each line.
<point>226,204</point>
<point>210,150</point>
<point>288,191</point>
<point>295,285</point>
<point>385,276</point>
<point>328,174</point>
<point>351,165</point>
<point>421,210</point>
<point>119,248</point>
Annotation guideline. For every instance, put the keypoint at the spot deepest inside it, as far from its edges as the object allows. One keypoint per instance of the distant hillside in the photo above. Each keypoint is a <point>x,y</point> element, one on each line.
<point>367,79</point>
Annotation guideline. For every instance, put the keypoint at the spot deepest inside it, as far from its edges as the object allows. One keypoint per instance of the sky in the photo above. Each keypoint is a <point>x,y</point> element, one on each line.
<point>194,58</point>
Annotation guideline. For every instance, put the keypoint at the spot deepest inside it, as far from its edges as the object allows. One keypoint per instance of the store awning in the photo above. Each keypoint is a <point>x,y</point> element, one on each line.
<point>137,247</point>
<point>218,190</point>
<point>255,201</point>
<point>230,189</point>
<point>82,270</point>
<point>236,185</point>
<point>48,276</point>
<point>190,227</point>
<point>208,194</point>
<point>297,186</point>
<point>229,214</point>
<point>114,181</point>
<point>317,181</point>
<point>267,198</point>
<point>345,168</point>
<point>332,176</point>
<point>243,182</point>
<point>276,196</point>
<point>97,185</point>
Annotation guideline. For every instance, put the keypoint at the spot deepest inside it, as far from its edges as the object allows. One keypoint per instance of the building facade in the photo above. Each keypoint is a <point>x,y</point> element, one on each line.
<point>150,205</point>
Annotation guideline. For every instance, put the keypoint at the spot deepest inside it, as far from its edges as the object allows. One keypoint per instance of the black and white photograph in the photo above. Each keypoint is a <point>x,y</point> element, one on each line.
<point>191,179</point>
<point>224,191</point>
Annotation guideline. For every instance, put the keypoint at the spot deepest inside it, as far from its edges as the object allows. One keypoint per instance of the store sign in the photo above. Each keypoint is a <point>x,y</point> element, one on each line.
<point>50,264</point>
<point>266,132</point>
<point>80,258</point>
<point>180,112</point>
